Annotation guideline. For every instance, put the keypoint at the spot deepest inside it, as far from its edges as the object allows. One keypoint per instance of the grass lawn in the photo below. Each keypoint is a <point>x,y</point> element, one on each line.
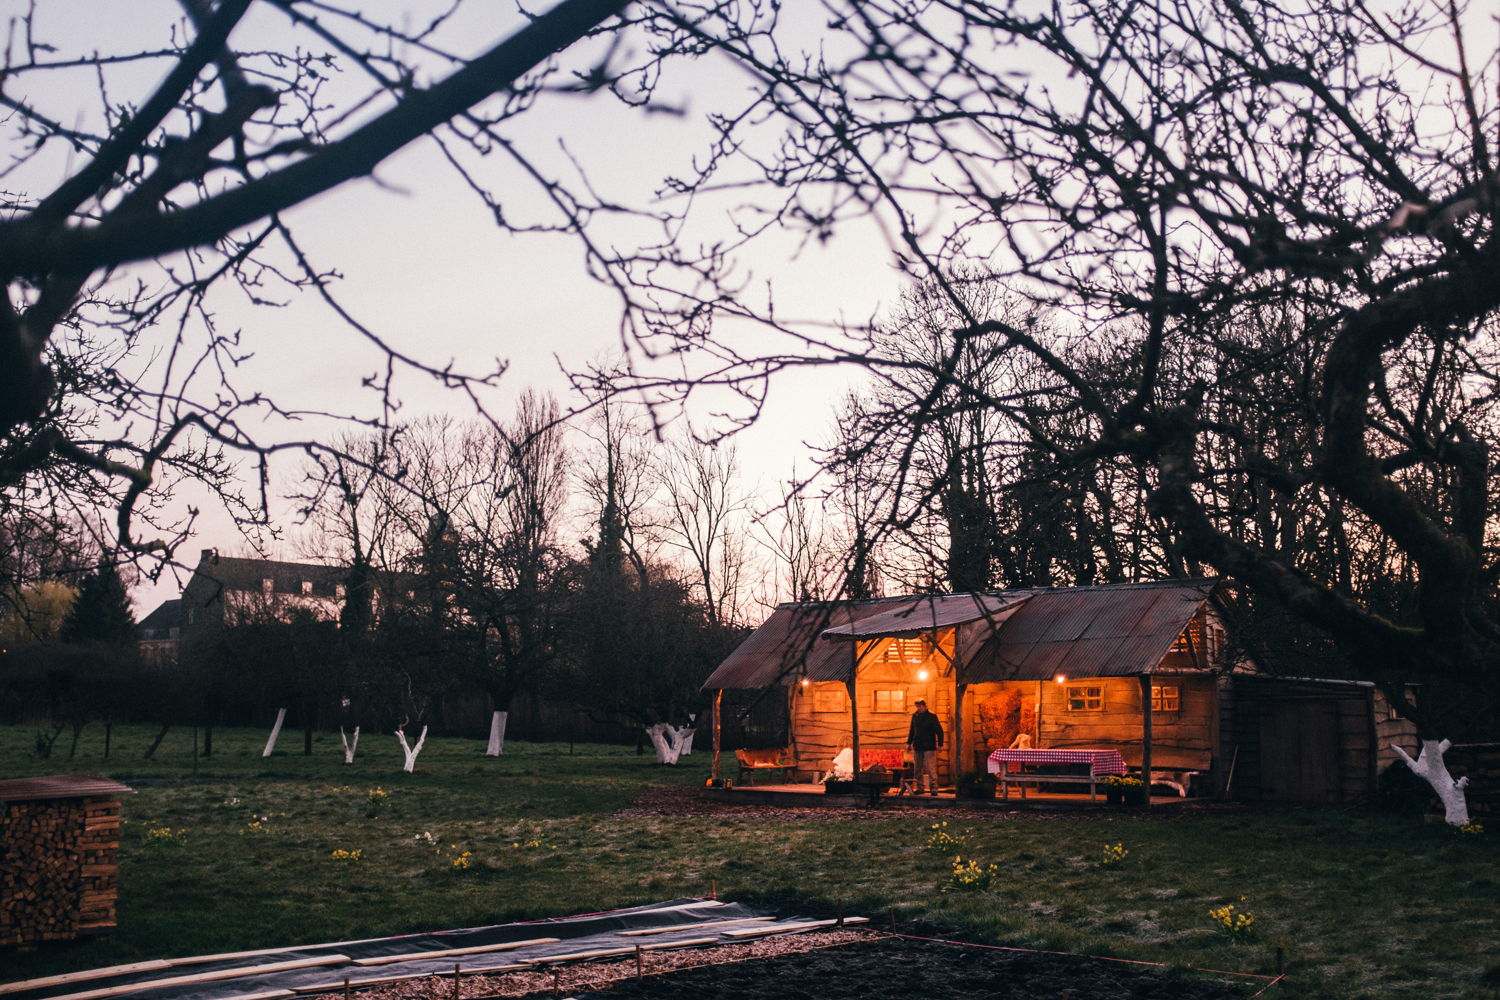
<point>238,852</point>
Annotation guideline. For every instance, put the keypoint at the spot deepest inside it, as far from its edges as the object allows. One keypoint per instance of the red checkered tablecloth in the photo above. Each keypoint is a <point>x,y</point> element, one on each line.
<point>1099,761</point>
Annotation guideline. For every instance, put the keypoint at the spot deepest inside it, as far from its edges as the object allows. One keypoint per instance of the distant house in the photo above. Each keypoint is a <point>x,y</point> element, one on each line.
<point>1142,668</point>
<point>225,591</point>
<point>160,633</point>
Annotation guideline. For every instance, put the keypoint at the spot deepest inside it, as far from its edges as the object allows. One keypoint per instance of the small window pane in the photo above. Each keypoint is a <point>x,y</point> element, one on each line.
<point>1086,698</point>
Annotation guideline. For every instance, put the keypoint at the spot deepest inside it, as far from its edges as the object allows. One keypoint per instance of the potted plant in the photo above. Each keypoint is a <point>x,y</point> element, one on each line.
<point>975,785</point>
<point>1123,790</point>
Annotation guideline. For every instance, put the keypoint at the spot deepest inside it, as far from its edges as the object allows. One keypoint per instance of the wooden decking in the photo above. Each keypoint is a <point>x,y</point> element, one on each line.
<point>813,796</point>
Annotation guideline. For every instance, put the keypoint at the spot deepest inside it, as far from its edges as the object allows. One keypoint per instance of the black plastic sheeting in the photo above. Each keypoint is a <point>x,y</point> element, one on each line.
<point>585,932</point>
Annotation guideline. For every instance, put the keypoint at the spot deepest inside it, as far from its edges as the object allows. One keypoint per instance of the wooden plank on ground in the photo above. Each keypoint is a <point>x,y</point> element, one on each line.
<point>693,927</point>
<point>683,943</point>
<point>202,977</point>
<point>578,956</point>
<point>806,925</point>
<point>413,956</point>
<point>87,974</point>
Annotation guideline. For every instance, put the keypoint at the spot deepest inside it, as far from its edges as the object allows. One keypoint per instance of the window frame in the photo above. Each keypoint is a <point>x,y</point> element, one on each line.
<point>892,696</point>
<point>1160,698</point>
<point>1085,702</point>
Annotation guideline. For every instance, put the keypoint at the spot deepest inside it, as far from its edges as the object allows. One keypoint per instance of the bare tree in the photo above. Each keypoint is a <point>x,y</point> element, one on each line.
<point>116,376</point>
<point>1156,176</point>
<point>706,506</point>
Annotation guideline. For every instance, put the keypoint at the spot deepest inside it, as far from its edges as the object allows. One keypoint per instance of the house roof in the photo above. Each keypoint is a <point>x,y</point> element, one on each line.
<point>915,615</point>
<point>216,574</point>
<point>1117,630</point>
<point>1113,630</point>
<point>159,623</point>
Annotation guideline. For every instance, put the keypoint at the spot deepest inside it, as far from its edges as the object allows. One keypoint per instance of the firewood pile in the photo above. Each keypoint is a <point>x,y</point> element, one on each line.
<point>59,858</point>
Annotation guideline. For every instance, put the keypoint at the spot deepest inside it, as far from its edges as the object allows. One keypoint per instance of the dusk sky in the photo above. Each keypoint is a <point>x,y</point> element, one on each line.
<point>422,264</point>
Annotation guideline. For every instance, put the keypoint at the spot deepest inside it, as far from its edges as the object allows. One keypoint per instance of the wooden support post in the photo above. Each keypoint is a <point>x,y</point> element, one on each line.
<point>1146,737</point>
<point>960,765</point>
<point>853,688</point>
<point>718,732</point>
<point>455,981</point>
<point>640,970</point>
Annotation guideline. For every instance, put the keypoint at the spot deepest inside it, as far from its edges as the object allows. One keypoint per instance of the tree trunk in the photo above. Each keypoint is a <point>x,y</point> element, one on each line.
<point>668,741</point>
<point>1430,768</point>
<point>497,734</point>
<point>410,752</point>
<point>349,745</point>
<point>151,750</point>
<point>275,732</point>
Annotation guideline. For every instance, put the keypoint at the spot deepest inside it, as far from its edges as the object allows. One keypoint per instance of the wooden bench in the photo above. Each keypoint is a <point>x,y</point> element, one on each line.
<point>1022,778</point>
<point>764,760</point>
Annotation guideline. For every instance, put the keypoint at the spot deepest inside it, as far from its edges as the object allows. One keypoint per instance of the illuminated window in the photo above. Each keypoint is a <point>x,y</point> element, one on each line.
<point>904,651</point>
<point>1166,698</point>
<point>306,587</point>
<point>1085,697</point>
<point>890,700</point>
<point>1200,638</point>
<point>267,585</point>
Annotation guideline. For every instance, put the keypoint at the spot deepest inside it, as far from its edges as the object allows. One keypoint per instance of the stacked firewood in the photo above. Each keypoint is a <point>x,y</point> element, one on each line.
<point>59,871</point>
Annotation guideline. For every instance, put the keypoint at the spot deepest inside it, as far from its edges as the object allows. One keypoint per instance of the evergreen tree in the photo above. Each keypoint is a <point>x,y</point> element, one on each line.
<point>102,611</point>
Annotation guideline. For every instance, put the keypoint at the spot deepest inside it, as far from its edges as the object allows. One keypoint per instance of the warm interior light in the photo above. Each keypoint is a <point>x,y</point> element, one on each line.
<point>1060,678</point>
<point>922,674</point>
<point>805,682</point>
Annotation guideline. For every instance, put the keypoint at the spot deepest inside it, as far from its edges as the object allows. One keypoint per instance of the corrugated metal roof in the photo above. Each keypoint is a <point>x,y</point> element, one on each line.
<point>61,786</point>
<point>789,643</point>
<point>1118,630</point>
<point>1114,630</point>
<point>915,615</point>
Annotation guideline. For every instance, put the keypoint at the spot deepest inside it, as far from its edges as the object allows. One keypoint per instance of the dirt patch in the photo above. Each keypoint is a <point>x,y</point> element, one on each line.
<point>886,967</point>
<point>834,965</point>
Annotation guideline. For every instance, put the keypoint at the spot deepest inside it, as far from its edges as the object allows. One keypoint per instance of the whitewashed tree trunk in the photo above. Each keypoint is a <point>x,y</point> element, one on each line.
<point>411,752</point>
<point>687,741</point>
<point>275,732</point>
<point>1430,768</point>
<point>668,741</point>
<point>349,745</point>
<point>497,734</point>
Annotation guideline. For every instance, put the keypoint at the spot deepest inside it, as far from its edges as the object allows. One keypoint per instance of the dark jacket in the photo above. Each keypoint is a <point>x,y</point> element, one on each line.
<point>926,732</point>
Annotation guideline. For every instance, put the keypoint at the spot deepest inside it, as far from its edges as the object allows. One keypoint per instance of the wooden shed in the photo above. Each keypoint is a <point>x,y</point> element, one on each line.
<point>1139,668</point>
<point>59,857</point>
<point>1305,739</point>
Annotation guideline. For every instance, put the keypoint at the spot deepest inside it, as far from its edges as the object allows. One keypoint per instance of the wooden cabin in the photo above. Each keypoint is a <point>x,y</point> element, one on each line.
<point>1139,668</point>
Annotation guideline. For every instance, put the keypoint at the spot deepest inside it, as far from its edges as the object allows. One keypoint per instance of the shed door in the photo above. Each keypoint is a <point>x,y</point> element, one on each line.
<point>1299,748</point>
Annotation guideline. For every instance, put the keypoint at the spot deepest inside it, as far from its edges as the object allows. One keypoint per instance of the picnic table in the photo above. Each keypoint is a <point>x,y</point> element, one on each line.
<point>1080,766</point>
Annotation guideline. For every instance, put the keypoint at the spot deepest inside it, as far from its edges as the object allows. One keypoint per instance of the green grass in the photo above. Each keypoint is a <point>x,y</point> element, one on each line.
<point>1362,904</point>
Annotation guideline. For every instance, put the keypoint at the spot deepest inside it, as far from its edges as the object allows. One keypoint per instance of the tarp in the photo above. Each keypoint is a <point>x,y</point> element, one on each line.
<point>683,920</point>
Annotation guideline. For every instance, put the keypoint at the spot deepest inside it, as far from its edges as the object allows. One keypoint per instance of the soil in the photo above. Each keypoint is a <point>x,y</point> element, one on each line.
<point>891,967</point>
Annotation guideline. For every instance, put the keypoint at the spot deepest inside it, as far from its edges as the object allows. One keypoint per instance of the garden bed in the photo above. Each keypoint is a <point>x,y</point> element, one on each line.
<point>895,967</point>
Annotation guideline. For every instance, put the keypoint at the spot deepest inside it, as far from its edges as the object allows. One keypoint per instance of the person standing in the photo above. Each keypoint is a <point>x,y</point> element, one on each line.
<point>924,738</point>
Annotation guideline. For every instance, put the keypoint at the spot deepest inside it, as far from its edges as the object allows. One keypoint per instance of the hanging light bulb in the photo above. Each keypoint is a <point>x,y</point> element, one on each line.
<point>922,674</point>
<point>1060,678</point>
